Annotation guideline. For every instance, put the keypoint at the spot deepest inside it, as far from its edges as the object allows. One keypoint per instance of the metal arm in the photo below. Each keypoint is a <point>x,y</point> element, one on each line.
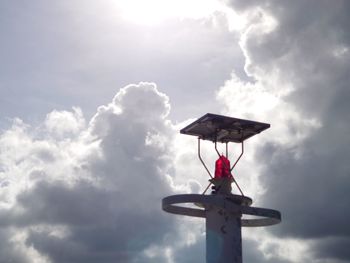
<point>200,158</point>
<point>240,190</point>
<point>206,189</point>
<point>227,150</point>
<point>233,166</point>
<point>216,149</point>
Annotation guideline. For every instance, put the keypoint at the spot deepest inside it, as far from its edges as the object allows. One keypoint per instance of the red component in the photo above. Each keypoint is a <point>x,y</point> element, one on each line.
<point>222,168</point>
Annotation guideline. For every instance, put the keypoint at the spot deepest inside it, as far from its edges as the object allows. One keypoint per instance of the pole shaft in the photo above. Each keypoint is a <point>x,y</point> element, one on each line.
<point>223,236</point>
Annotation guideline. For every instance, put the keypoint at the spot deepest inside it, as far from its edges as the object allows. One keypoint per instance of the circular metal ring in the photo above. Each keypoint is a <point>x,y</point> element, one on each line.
<point>234,203</point>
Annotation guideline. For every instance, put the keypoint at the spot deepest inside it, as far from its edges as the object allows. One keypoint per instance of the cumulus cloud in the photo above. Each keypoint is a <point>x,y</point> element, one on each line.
<point>296,56</point>
<point>62,122</point>
<point>78,190</point>
<point>91,192</point>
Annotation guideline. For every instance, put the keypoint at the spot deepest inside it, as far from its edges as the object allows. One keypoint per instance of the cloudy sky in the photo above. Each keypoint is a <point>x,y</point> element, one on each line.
<point>93,94</point>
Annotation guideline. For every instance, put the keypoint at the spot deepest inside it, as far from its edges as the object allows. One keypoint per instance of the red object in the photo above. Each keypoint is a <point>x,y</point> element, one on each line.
<point>222,168</point>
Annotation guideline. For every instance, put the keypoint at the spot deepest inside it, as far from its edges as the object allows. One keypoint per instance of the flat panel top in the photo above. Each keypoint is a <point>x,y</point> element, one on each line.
<point>220,128</point>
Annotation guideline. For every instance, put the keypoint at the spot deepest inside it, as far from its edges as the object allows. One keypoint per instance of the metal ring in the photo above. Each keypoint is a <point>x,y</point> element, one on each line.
<point>233,203</point>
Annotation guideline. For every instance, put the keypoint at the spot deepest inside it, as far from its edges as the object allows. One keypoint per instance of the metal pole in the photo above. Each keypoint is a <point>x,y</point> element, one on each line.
<point>233,166</point>
<point>206,189</point>
<point>200,158</point>
<point>216,149</point>
<point>223,236</point>
<point>237,186</point>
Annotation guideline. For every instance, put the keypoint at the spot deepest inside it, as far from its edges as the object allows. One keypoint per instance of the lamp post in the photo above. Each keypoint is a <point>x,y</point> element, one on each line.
<point>223,211</point>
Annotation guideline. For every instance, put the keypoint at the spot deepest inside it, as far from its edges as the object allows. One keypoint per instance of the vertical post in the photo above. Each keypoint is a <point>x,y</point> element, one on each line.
<point>223,236</point>
<point>200,157</point>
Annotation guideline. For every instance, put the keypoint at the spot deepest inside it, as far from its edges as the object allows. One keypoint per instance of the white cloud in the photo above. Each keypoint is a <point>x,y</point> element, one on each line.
<point>92,193</point>
<point>60,123</point>
<point>65,182</point>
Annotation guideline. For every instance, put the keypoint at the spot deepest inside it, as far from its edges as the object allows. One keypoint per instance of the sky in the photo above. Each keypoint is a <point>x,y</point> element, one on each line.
<point>93,95</point>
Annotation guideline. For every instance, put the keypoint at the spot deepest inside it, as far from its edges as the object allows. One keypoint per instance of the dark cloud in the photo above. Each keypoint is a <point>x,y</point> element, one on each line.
<point>306,52</point>
<point>245,5</point>
<point>333,248</point>
<point>310,188</point>
<point>77,192</point>
<point>10,248</point>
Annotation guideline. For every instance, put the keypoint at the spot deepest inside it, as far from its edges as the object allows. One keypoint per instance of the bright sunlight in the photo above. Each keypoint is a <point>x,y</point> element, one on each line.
<point>155,12</point>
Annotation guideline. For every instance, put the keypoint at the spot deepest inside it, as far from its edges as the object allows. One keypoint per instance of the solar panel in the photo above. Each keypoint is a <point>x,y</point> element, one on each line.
<point>224,129</point>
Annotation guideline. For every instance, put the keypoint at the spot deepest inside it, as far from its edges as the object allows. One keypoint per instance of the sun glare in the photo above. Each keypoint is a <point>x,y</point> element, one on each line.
<point>155,12</point>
